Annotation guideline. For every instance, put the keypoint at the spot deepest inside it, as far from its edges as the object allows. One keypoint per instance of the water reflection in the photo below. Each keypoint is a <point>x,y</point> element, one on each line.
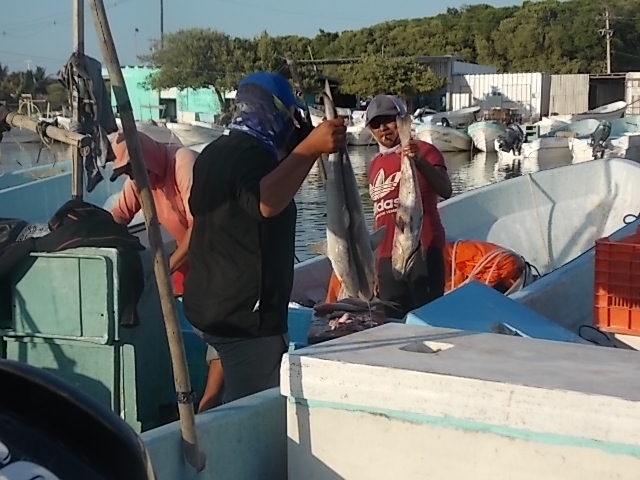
<point>467,171</point>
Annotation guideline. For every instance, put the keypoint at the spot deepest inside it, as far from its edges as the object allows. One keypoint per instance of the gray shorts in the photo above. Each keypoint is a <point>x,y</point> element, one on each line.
<point>250,364</point>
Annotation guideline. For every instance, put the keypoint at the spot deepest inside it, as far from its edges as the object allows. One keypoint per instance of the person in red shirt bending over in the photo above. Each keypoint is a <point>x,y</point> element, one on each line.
<point>425,281</point>
<point>170,169</point>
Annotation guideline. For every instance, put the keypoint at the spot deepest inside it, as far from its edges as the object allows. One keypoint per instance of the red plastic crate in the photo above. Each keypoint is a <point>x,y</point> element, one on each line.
<point>617,285</point>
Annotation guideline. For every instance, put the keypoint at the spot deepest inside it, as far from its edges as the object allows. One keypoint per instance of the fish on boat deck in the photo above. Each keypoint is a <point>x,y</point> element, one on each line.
<point>347,315</point>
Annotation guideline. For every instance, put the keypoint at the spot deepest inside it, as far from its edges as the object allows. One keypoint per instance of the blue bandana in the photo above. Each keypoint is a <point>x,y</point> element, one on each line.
<point>263,116</point>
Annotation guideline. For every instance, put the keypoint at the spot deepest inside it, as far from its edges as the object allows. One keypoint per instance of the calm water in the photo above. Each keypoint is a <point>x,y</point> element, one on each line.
<point>465,170</point>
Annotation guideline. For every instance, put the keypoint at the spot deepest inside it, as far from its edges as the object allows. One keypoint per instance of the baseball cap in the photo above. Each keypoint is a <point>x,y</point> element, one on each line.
<point>383,106</point>
<point>277,85</point>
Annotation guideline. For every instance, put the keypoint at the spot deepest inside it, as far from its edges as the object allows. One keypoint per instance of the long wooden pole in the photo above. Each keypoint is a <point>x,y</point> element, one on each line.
<point>77,187</point>
<point>161,266</point>
<point>77,140</point>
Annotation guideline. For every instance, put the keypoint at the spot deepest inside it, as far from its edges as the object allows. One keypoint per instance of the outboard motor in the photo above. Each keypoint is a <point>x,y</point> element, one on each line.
<point>50,430</point>
<point>512,139</point>
<point>598,139</point>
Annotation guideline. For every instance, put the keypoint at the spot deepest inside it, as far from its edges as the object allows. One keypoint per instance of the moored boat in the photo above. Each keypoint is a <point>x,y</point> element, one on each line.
<point>445,139</point>
<point>485,133</point>
<point>453,118</point>
<point>609,111</point>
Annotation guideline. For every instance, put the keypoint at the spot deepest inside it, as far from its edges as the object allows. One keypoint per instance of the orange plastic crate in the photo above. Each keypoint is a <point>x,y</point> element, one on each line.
<point>617,285</point>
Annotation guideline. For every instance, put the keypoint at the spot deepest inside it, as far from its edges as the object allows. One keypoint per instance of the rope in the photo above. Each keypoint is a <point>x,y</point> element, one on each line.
<point>630,218</point>
<point>41,128</point>
<point>494,256</point>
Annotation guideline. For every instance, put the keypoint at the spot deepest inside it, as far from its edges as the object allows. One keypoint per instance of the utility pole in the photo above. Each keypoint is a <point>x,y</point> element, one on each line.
<point>161,24</point>
<point>607,33</point>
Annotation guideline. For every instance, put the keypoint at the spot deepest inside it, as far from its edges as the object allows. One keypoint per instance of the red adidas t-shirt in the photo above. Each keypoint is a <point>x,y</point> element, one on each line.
<point>384,176</point>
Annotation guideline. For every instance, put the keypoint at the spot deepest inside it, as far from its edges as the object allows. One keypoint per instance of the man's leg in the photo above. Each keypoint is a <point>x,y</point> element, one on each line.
<point>211,397</point>
<point>395,293</point>
<point>427,277</point>
<point>250,365</point>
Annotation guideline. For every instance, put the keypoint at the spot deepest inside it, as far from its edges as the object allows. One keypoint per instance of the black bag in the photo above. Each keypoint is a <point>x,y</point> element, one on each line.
<point>79,224</point>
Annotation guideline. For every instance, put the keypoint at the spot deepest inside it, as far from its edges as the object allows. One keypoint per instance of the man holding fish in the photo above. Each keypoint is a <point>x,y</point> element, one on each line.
<point>241,251</point>
<point>405,180</point>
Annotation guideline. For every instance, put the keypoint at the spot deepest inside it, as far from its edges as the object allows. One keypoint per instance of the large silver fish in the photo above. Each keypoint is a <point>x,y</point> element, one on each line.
<point>406,239</point>
<point>348,241</point>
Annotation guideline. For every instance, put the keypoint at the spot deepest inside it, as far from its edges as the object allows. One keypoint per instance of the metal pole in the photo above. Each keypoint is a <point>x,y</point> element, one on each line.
<point>77,187</point>
<point>607,33</point>
<point>184,393</point>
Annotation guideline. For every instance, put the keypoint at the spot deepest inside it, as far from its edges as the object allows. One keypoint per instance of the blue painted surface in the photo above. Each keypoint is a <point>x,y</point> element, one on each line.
<point>299,321</point>
<point>478,308</point>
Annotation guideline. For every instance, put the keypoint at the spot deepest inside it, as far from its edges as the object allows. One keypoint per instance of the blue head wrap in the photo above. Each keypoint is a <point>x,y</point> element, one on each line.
<point>265,107</point>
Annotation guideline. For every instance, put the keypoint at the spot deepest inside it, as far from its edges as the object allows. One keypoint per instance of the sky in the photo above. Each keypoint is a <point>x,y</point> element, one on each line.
<point>39,32</point>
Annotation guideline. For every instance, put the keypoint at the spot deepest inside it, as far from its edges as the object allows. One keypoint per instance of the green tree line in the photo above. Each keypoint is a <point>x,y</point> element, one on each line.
<point>36,83</point>
<point>549,36</point>
<point>538,36</point>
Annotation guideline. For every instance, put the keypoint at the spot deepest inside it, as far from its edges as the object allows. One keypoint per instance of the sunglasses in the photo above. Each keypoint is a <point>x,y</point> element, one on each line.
<point>377,122</point>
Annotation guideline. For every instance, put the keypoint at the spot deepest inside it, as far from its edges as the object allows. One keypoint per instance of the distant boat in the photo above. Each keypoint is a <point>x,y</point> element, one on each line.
<point>485,133</point>
<point>445,139</point>
<point>556,141</point>
<point>605,112</point>
<point>195,133</point>
<point>453,118</point>
<point>359,136</point>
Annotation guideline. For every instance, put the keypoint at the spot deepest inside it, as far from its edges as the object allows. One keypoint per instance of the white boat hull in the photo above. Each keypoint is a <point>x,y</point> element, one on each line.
<point>190,135</point>
<point>627,146</point>
<point>359,136</point>
<point>484,135</point>
<point>606,112</point>
<point>454,118</point>
<point>445,139</point>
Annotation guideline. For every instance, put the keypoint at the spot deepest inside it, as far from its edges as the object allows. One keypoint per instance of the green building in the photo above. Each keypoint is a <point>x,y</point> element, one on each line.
<point>172,104</point>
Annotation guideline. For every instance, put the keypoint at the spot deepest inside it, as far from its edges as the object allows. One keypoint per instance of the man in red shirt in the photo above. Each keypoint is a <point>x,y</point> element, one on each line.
<point>425,281</point>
